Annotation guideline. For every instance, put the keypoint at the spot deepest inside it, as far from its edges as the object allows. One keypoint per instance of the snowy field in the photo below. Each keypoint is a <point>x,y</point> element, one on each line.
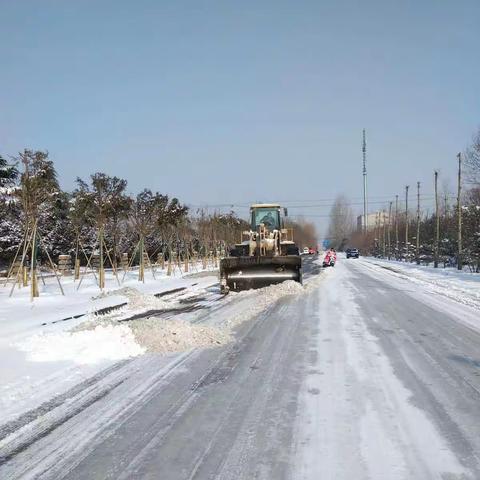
<point>40,354</point>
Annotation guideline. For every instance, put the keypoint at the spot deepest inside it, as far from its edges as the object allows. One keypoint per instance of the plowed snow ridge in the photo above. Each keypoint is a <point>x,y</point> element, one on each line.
<point>104,342</point>
<point>102,338</point>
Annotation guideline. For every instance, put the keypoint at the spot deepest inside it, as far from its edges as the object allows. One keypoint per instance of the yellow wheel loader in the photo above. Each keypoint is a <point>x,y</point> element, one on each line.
<point>266,256</point>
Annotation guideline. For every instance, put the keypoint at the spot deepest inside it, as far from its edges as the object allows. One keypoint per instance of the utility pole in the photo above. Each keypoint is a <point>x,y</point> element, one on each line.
<point>383,237</point>
<point>437,225</point>
<point>378,232</point>
<point>396,227</point>
<point>417,250</point>
<point>406,222</point>
<point>459,212</point>
<point>389,228</point>
<point>365,204</point>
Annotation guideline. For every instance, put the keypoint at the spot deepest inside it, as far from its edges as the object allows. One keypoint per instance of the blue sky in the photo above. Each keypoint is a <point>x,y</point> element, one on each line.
<point>234,102</point>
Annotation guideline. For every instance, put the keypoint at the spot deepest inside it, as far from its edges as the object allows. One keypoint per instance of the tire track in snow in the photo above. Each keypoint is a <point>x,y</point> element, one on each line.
<point>33,432</point>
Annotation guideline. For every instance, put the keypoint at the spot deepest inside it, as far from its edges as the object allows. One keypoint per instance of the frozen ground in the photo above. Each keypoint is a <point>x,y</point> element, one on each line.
<point>360,374</point>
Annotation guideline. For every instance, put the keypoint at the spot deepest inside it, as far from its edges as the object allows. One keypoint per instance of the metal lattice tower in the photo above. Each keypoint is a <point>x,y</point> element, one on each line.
<point>365,203</point>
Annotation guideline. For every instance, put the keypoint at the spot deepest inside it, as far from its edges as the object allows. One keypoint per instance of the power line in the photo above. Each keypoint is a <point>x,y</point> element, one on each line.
<point>311,203</point>
<point>322,205</point>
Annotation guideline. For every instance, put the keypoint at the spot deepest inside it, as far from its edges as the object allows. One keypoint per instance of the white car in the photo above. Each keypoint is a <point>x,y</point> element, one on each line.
<point>305,251</point>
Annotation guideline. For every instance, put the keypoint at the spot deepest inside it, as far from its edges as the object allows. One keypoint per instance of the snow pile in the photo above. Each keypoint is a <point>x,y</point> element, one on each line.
<point>265,297</point>
<point>104,342</point>
<point>157,334</point>
<point>165,336</point>
<point>103,338</point>
<point>137,301</point>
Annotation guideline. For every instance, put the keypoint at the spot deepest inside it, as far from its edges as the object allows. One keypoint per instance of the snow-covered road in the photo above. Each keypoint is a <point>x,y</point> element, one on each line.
<point>362,375</point>
<point>393,391</point>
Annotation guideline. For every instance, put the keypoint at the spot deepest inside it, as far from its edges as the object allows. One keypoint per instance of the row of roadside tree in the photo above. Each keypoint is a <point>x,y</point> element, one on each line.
<point>445,234</point>
<point>99,215</point>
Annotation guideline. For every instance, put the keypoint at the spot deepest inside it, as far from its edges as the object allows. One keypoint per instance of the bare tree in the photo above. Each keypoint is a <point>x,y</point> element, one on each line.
<point>304,232</point>
<point>472,158</point>
<point>342,222</point>
<point>146,210</point>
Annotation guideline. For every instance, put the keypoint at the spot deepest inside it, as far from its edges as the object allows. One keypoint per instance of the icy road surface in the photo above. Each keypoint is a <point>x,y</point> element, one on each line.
<point>363,376</point>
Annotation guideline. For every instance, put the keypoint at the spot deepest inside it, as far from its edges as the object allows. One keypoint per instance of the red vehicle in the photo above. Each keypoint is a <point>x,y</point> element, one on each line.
<point>312,251</point>
<point>330,258</point>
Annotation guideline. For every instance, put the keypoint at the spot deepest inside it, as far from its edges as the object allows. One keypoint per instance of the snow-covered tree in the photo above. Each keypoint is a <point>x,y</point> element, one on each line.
<point>211,231</point>
<point>82,223</point>
<point>58,236</point>
<point>37,195</point>
<point>8,177</point>
<point>103,203</point>
<point>11,229</point>
<point>471,228</point>
<point>169,212</point>
<point>38,182</point>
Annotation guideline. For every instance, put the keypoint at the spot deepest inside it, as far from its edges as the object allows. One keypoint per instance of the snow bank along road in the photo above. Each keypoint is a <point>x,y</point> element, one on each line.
<point>362,375</point>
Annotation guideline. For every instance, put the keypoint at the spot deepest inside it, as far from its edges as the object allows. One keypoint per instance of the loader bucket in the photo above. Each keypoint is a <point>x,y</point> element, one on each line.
<point>243,273</point>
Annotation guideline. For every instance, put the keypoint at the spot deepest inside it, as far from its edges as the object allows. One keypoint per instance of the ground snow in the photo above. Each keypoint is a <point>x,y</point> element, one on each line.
<point>461,286</point>
<point>104,342</point>
<point>165,336</point>
<point>264,297</point>
<point>356,417</point>
<point>160,335</point>
<point>137,300</point>
<point>42,358</point>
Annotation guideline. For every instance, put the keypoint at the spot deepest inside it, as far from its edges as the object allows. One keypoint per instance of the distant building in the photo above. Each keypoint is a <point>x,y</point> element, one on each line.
<point>372,220</point>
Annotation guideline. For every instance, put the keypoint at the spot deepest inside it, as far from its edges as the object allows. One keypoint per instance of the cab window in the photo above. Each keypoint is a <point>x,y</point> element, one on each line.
<point>270,217</point>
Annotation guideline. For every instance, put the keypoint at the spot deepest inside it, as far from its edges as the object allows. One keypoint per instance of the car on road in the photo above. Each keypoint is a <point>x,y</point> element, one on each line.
<point>312,251</point>
<point>306,251</point>
<point>352,253</point>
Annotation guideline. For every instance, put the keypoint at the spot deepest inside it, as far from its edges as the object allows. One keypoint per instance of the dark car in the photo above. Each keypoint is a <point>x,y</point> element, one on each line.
<point>352,253</point>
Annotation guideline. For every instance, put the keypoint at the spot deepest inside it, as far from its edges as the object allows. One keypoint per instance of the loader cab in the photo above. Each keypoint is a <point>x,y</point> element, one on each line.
<point>268,214</point>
